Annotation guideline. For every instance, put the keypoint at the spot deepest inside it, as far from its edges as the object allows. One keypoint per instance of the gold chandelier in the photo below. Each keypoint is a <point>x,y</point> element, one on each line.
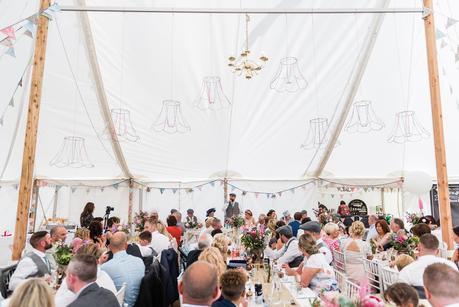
<point>243,64</point>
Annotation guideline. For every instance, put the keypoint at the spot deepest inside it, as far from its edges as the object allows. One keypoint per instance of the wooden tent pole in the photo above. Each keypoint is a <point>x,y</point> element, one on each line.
<point>437,122</point>
<point>30,142</point>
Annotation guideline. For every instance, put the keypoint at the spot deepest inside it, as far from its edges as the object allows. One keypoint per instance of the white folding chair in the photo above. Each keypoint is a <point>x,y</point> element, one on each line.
<point>339,263</point>
<point>121,293</point>
<point>352,290</point>
<point>443,252</point>
<point>388,277</point>
<point>372,273</point>
<point>341,280</point>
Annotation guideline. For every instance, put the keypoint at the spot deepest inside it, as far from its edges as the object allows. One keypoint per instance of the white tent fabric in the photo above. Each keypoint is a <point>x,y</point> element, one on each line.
<point>148,58</point>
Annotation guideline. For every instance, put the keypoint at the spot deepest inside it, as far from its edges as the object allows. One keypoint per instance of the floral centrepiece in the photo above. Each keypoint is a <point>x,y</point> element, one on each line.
<point>254,242</point>
<point>139,220</point>
<point>364,299</point>
<point>63,254</point>
<point>413,218</point>
<point>236,221</point>
<point>404,245</point>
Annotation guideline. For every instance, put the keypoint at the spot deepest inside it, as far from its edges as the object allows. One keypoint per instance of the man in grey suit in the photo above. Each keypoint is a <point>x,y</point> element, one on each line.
<point>81,280</point>
<point>233,207</point>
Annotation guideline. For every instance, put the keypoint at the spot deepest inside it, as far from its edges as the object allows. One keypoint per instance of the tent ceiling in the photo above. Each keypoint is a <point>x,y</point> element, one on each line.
<point>148,58</point>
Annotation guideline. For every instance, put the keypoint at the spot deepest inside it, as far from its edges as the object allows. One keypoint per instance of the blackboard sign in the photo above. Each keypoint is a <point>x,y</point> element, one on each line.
<point>453,199</point>
<point>358,207</point>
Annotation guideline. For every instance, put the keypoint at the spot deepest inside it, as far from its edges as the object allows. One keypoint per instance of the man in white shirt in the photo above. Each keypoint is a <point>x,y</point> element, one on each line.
<point>441,285</point>
<point>199,285</point>
<point>290,252</point>
<point>34,263</point>
<point>159,242</point>
<point>144,244</point>
<point>371,233</point>
<point>313,228</point>
<point>412,274</point>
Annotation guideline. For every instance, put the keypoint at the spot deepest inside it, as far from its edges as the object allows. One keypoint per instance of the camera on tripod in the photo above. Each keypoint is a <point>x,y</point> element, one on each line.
<point>108,209</point>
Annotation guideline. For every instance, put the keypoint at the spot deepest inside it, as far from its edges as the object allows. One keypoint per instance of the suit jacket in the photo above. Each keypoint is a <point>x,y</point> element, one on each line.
<point>232,210</point>
<point>152,288</point>
<point>95,296</point>
<point>169,260</point>
<point>192,257</point>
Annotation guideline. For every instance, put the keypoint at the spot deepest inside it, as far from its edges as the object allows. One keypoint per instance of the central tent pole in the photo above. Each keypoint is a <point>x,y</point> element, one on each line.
<point>30,142</point>
<point>437,122</point>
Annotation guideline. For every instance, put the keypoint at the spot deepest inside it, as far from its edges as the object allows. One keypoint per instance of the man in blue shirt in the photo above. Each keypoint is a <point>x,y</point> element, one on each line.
<point>295,224</point>
<point>123,268</point>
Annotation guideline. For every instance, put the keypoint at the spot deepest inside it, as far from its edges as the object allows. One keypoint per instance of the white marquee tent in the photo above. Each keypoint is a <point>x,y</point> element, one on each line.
<point>257,139</point>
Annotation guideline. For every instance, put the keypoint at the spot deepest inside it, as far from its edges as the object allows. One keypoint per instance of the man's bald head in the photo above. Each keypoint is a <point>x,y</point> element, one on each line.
<point>199,285</point>
<point>118,241</point>
<point>58,233</point>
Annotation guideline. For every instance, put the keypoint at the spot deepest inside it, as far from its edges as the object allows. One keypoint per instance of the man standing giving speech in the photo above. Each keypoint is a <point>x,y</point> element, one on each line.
<point>233,207</point>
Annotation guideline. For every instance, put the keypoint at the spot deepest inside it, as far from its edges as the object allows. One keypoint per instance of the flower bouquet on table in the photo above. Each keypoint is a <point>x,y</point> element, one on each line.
<point>254,242</point>
<point>236,221</point>
<point>405,245</point>
<point>139,220</point>
<point>62,254</point>
<point>413,218</point>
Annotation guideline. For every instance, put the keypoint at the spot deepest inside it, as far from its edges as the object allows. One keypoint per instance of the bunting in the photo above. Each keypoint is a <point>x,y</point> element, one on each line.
<point>9,32</point>
<point>450,22</point>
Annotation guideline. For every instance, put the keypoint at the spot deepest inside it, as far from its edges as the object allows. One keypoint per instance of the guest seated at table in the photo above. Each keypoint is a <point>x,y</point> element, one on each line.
<point>232,284</point>
<point>371,232</point>
<point>64,296</point>
<point>331,236</point>
<point>355,249</point>
<point>215,232</point>
<point>81,280</point>
<point>455,257</point>
<point>295,224</point>
<point>401,295</point>
<point>398,227</point>
<point>272,214</point>
<point>193,255</point>
<point>123,268</point>
<point>289,254</point>
<point>222,242</point>
<point>145,244</point>
<point>191,220</point>
<point>249,220</point>
<point>35,263</point>
<point>112,226</point>
<point>58,234</point>
<point>286,217</point>
<point>33,292</point>
<point>213,256</point>
<point>159,242</point>
<point>82,236</point>
<point>419,229</point>
<point>428,251</point>
<point>199,285</point>
<point>261,224</point>
<point>315,272</point>
<point>441,285</point>
<point>210,213</point>
<point>313,228</point>
<point>383,236</point>
<point>402,261</point>
<point>173,229</point>
<point>96,232</point>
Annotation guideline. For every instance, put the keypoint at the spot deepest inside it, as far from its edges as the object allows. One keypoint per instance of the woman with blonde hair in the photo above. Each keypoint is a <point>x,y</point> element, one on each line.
<point>315,272</point>
<point>331,236</point>
<point>161,228</point>
<point>33,292</point>
<point>213,256</point>
<point>221,242</point>
<point>355,249</point>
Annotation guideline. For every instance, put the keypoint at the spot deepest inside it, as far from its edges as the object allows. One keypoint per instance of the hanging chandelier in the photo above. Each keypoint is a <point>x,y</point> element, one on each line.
<point>243,64</point>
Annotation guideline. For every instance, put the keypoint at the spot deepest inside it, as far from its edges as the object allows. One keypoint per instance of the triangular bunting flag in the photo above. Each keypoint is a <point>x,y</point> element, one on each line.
<point>292,190</point>
<point>212,183</point>
<point>11,52</point>
<point>9,31</point>
<point>51,11</point>
<point>268,195</point>
<point>16,186</point>
<point>11,104</point>
<point>174,191</point>
<point>161,190</point>
<point>443,43</point>
<point>244,193</point>
<point>73,189</point>
<point>33,19</point>
<point>450,22</point>
<point>332,195</point>
<point>115,186</point>
<point>233,188</point>
<point>102,189</point>
<point>303,187</point>
<point>1,121</point>
<point>439,34</point>
<point>257,194</point>
<point>6,42</point>
<point>87,191</point>
<point>280,194</point>
<point>30,29</point>
<point>148,189</point>
<point>20,83</point>
<point>200,188</point>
